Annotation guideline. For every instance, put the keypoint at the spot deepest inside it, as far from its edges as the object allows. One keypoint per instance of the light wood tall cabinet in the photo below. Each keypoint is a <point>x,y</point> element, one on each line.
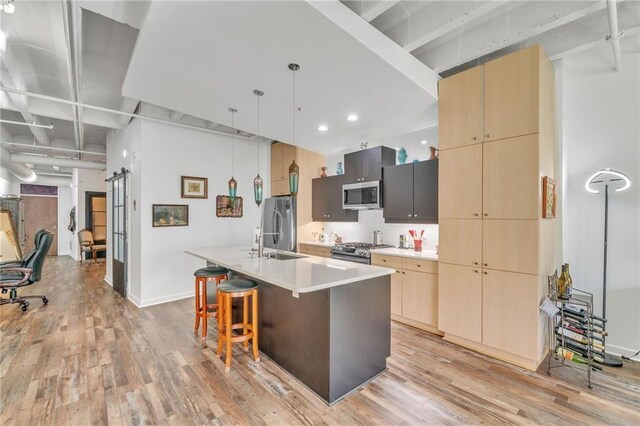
<point>495,248</point>
<point>309,162</point>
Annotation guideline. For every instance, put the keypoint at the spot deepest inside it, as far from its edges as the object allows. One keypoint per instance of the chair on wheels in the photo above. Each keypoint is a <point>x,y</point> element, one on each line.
<point>14,276</point>
<point>25,259</point>
<point>87,245</point>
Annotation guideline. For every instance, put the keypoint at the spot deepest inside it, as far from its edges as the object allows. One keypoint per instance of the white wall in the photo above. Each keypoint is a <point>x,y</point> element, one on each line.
<point>168,153</point>
<point>601,128</point>
<point>160,269</point>
<point>65,237</point>
<point>372,220</point>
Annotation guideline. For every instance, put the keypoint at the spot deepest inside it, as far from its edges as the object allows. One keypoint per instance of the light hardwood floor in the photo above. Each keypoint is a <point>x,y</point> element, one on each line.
<point>90,357</point>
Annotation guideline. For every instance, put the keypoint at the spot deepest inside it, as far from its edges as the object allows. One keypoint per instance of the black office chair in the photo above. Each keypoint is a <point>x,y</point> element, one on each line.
<point>20,262</point>
<point>13,277</point>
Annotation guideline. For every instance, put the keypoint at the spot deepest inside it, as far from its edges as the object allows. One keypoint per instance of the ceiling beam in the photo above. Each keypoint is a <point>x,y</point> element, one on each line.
<point>508,41</point>
<point>452,25</point>
<point>377,9</point>
<point>385,48</point>
<point>20,105</point>
<point>176,116</point>
<point>73,37</point>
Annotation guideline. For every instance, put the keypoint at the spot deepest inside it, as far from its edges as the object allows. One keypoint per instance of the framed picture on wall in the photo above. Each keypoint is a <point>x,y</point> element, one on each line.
<point>226,207</point>
<point>548,198</point>
<point>194,187</point>
<point>170,215</point>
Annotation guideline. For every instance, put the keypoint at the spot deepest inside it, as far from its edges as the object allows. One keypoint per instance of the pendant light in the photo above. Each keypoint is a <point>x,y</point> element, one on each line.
<point>233,185</point>
<point>294,170</point>
<point>257,182</point>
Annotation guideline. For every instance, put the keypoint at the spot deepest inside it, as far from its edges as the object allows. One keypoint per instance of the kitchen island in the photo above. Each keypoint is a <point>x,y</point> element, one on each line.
<point>325,321</point>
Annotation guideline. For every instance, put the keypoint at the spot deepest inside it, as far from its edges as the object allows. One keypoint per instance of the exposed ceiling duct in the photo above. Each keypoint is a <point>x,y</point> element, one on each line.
<point>53,161</point>
<point>21,171</point>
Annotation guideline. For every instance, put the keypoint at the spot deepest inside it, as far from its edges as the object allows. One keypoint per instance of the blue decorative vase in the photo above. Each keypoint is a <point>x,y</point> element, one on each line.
<point>339,170</point>
<point>402,156</point>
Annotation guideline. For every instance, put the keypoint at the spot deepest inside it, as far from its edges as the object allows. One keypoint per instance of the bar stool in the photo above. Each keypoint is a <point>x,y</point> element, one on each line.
<point>204,295</point>
<point>227,291</point>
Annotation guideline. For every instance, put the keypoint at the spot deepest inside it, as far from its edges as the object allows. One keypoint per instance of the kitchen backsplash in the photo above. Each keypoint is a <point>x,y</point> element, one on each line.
<point>372,220</point>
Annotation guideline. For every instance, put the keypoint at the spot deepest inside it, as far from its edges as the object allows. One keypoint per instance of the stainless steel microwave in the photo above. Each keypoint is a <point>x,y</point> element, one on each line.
<point>362,196</point>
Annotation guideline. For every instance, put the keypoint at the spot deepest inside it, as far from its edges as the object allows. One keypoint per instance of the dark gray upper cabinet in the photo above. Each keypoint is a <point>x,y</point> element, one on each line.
<point>425,191</point>
<point>326,204</point>
<point>397,192</point>
<point>410,193</point>
<point>366,165</point>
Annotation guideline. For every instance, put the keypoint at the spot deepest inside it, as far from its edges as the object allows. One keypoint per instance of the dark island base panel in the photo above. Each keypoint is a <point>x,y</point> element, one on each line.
<point>332,340</point>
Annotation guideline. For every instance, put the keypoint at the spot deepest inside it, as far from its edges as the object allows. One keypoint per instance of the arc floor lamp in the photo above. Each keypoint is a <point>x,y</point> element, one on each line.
<point>607,179</point>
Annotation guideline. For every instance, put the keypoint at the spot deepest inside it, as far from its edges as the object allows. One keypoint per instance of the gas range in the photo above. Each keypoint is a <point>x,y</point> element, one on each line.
<point>355,252</point>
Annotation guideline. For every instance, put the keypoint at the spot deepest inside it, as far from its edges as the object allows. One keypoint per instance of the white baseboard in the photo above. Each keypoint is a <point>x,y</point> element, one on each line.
<point>107,279</point>
<point>65,253</point>
<point>164,299</point>
<point>621,350</point>
<point>74,256</point>
<point>134,300</point>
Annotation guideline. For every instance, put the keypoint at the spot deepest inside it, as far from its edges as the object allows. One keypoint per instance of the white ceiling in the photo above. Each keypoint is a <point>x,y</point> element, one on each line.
<point>217,53</point>
<point>196,59</point>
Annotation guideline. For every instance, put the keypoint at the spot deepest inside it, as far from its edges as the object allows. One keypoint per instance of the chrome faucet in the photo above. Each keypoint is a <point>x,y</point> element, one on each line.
<point>280,233</point>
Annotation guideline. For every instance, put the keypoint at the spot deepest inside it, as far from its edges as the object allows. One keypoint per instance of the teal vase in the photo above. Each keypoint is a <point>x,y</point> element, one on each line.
<point>402,156</point>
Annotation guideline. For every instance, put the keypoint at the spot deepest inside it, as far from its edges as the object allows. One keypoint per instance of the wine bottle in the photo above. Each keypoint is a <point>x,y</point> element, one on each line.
<point>562,283</point>
<point>569,279</point>
<point>571,356</point>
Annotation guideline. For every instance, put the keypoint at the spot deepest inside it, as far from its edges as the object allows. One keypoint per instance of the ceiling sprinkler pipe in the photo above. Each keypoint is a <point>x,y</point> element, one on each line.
<point>60,162</point>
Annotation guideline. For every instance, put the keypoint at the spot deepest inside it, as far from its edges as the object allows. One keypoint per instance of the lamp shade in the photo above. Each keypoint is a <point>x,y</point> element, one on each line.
<point>257,189</point>
<point>294,175</point>
<point>233,188</point>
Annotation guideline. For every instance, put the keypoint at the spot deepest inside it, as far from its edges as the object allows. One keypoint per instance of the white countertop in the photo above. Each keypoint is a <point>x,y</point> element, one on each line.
<point>317,243</point>
<point>425,254</point>
<point>303,275</point>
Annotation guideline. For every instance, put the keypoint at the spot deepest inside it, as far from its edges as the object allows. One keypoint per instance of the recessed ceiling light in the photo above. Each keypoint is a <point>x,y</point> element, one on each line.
<point>323,128</point>
<point>423,142</point>
<point>352,117</point>
<point>9,7</point>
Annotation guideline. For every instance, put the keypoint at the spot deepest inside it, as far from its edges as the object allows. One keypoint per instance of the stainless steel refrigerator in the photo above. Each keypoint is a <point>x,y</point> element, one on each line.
<point>286,206</point>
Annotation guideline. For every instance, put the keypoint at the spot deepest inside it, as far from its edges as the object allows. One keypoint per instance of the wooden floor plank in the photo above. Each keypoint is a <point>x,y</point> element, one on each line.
<point>90,357</point>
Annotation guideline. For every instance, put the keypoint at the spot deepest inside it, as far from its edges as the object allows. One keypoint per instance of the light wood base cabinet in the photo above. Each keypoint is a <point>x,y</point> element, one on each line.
<point>460,301</point>
<point>314,250</point>
<point>510,318</point>
<point>419,291</point>
<point>414,290</point>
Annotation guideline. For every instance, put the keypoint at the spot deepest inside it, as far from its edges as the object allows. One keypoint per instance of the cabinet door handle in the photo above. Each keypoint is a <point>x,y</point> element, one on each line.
<point>486,273</point>
<point>328,215</point>
<point>475,263</point>
<point>485,264</point>
<point>475,271</point>
<point>476,214</point>
<point>487,135</point>
<point>415,215</point>
<point>397,272</point>
<point>474,138</point>
<point>410,215</point>
<point>486,214</point>
<point>403,272</point>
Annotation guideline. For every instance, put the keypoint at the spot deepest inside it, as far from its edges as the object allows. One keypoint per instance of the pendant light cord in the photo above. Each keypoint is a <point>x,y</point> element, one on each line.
<point>294,107</point>
<point>233,130</point>
<point>258,134</point>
